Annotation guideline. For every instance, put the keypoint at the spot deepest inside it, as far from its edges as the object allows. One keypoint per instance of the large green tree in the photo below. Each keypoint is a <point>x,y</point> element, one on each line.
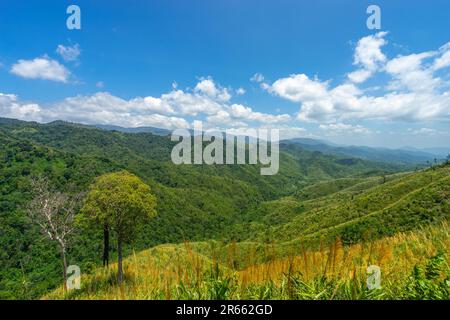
<point>120,202</point>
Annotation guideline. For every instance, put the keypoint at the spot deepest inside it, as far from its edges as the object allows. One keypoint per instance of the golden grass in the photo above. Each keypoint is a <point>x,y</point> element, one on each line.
<point>179,272</point>
<point>395,256</point>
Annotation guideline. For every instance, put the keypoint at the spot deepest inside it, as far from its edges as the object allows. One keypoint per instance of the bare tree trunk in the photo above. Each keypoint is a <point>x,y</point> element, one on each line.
<point>119,257</point>
<point>105,245</point>
<point>64,262</point>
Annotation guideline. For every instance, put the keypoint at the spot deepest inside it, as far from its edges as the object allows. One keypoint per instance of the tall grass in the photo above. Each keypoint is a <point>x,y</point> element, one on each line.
<point>413,265</point>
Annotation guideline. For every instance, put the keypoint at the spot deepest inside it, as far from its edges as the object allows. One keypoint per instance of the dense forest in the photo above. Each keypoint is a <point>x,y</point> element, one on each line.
<point>314,198</point>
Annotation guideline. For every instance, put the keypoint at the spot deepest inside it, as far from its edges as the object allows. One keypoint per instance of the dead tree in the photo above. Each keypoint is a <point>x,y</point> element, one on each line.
<point>54,213</point>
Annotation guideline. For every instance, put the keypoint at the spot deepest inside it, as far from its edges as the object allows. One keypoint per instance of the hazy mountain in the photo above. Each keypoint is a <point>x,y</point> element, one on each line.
<point>441,153</point>
<point>403,156</point>
<point>154,130</point>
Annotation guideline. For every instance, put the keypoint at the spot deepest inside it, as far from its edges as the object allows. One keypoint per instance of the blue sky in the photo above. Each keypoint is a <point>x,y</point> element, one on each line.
<point>167,63</point>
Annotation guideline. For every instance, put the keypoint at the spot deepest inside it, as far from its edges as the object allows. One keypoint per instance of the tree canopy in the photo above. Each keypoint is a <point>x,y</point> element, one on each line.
<point>121,201</point>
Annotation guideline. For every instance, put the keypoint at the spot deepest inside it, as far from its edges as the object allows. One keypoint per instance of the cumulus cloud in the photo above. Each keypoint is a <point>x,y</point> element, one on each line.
<point>408,72</point>
<point>285,131</point>
<point>169,110</point>
<point>443,60</point>
<point>12,107</point>
<point>413,92</point>
<point>368,51</point>
<point>69,53</point>
<point>242,112</point>
<point>257,77</point>
<point>359,76</point>
<point>41,68</point>
<point>100,108</point>
<point>105,108</point>
<point>240,91</point>
<point>192,104</point>
<point>429,132</point>
<point>334,128</point>
<point>210,89</point>
<point>368,56</point>
<point>298,87</point>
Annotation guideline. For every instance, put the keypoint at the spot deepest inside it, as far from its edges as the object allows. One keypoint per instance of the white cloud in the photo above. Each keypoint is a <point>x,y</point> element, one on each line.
<point>285,132</point>
<point>246,113</point>
<point>69,53</point>
<point>429,132</point>
<point>105,108</point>
<point>41,68</point>
<point>11,107</point>
<point>101,108</point>
<point>359,76</point>
<point>210,89</point>
<point>409,73</point>
<point>192,104</point>
<point>298,87</point>
<point>257,77</point>
<point>413,92</point>
<point>368,52</point>
<point>238,115</point>
<point>368,56</point>
<point>169,110</point>
<point>444,60</point>
<point>341,128</point>
<point>240,91</point>
<point>100,84</point>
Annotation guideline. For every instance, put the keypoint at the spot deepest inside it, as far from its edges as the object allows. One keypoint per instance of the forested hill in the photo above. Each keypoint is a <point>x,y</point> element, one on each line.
<point>195,202</point>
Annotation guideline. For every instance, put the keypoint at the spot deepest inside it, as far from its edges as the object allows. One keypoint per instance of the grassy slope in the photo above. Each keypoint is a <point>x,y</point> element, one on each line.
<point>413,265</point>
<point>203,202</point>
<point>194,202</point>
<point>252,269</point>
<point>369,208</point>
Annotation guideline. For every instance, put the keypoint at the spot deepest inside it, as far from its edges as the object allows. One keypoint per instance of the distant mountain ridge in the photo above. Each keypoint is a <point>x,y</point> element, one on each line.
<point>405,156</point>
<point>154,130</point>
<point>402,156</point>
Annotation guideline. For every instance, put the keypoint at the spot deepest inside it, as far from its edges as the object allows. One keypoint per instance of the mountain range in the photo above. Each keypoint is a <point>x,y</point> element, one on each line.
<point>315,195</point>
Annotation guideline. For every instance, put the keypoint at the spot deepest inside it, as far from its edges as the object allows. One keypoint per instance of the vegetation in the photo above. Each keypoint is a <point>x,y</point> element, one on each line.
<point>120,201</point>
<point>228,216</point>
<point>54,213</point>
<point>413,265</point>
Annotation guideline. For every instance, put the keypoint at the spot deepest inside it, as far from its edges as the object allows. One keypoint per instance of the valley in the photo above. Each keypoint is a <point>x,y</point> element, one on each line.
<point>209,212</point>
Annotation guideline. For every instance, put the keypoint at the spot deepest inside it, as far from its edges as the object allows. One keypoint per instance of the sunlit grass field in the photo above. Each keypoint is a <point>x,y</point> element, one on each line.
<point>413,265</point>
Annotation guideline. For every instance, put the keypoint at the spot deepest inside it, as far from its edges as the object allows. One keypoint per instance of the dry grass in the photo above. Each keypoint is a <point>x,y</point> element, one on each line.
<point>179,272</point>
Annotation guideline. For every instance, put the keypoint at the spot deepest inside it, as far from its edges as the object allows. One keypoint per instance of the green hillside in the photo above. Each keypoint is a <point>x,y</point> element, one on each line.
<point>314,196</point>
<point>372,208</point>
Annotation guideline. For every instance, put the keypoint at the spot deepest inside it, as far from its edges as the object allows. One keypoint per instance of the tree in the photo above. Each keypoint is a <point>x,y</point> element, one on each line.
<point>105,245</point>
<point>383,178</point>
<point>54,213</point>
<point>120,202</point>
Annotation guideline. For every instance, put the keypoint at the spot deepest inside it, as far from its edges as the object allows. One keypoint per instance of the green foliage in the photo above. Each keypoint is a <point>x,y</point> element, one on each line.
<point>313,196</point>
<point>366,210</point>
<point>431,282</point>
<point>181,272</point>
<point>120,200</point>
